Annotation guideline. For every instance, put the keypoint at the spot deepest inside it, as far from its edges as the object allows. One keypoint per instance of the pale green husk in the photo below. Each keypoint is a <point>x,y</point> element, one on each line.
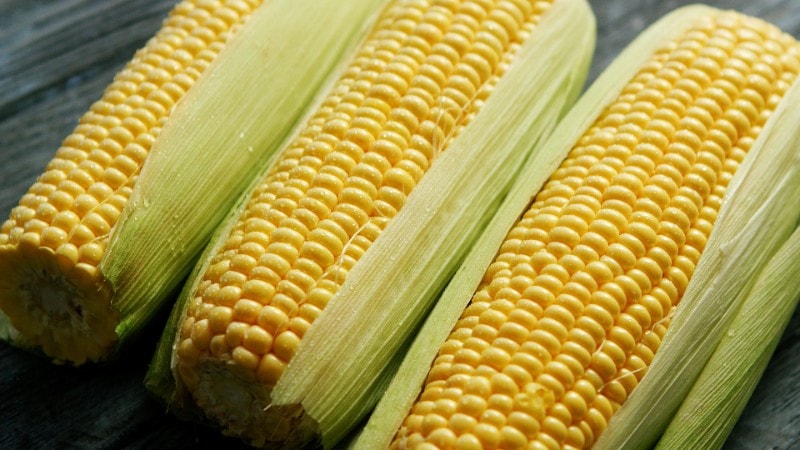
<point>407,383</point>
<point>753,223</point>
<point>720,394</point>
<point>219,137</point>
<point>6,330</point>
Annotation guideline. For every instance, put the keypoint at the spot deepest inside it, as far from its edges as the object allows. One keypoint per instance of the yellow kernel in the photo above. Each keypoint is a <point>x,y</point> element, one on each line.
<point>66,220</point>
<point>228,296</point>
<point>317,253</point>
<point>245,358</point>
<point>285,345</point>
<point>442,438</point>
<point>285,303</point>
<point>468,442</point>
<point>576,404</point>
<point>258,290</point>
<point>186,327</point>
<point>495,358</point>
<point>623,337</point>
<point>432,422</point>
<point>493,318</point>
<point>215,271</point>
<point>299,326</point>
<point>91,253</point>
<point>219,318</point>
<point>257,340</point>
<point>478,385</point>
<point>234,334</point>
<point>510,437</point>
<point>269,369</point>
<point>526,423</point>
<point>565,235</point>
<point>218,346</point>
<point>461,423</point>
<point>109,212</point>
<point>53,237</point>
<point>201,334</point>
<point>494,417</point>
<point>188,353</point>
<point>488,435</point>
<point>604,365</point>
<point>61,200</point>
<point>472,405</point>
<point>576,438</point>
<point>245,310</point>
<point>554,428</point>
<point>273,320</point>
<point>615,392</point>
<point>114,178</point>
<point>243,263</point>
<point>67,256</point>
<point>232,278</point>
<point>561,372</point>
<point>446,407</point>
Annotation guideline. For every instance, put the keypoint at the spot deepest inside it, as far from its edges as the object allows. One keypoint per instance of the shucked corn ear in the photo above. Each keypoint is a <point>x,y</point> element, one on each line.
<point>346,241</point>
<point>97,243</point>
<point>543,347</point>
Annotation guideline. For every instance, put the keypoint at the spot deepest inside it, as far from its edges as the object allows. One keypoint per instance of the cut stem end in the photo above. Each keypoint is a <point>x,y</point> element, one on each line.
<point>243,408</point>
<point>60,307</point>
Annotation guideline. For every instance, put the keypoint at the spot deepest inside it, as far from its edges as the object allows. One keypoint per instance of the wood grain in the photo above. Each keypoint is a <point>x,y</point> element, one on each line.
<point>55,59</point>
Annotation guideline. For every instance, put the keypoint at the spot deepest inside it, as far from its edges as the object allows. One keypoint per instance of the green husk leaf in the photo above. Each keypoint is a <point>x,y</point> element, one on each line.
<point>160,379</point>
<point>407,383</point>
<point>219,137</point>
<point>753,223</point>
<point>720,393</point>
<point>6,330</point>
<point>389,291</point>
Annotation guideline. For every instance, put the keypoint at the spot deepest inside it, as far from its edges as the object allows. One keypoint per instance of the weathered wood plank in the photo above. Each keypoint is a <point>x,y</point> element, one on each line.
<point>55,59</point>
<point>66,41</point>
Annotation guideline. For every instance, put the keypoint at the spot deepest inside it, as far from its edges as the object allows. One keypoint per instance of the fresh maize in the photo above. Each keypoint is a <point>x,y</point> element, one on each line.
<point>97,243</point>
<point>570,313</point>
<point>412,97</point>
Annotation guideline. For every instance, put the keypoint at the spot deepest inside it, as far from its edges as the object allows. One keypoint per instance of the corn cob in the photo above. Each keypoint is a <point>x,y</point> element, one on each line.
<point>83,259</point>
<point>390,154</point>
<point>576,301</point>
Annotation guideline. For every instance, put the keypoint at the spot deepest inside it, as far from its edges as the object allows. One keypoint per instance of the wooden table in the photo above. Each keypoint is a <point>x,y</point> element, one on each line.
<point>55,59</point>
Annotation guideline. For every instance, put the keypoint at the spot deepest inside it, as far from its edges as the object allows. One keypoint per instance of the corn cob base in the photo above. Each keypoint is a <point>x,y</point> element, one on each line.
<point>63,310</point>
<point>244,409</point>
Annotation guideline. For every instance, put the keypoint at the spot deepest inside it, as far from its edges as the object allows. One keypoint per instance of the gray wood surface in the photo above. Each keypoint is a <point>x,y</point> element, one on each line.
<point>55,59</point>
